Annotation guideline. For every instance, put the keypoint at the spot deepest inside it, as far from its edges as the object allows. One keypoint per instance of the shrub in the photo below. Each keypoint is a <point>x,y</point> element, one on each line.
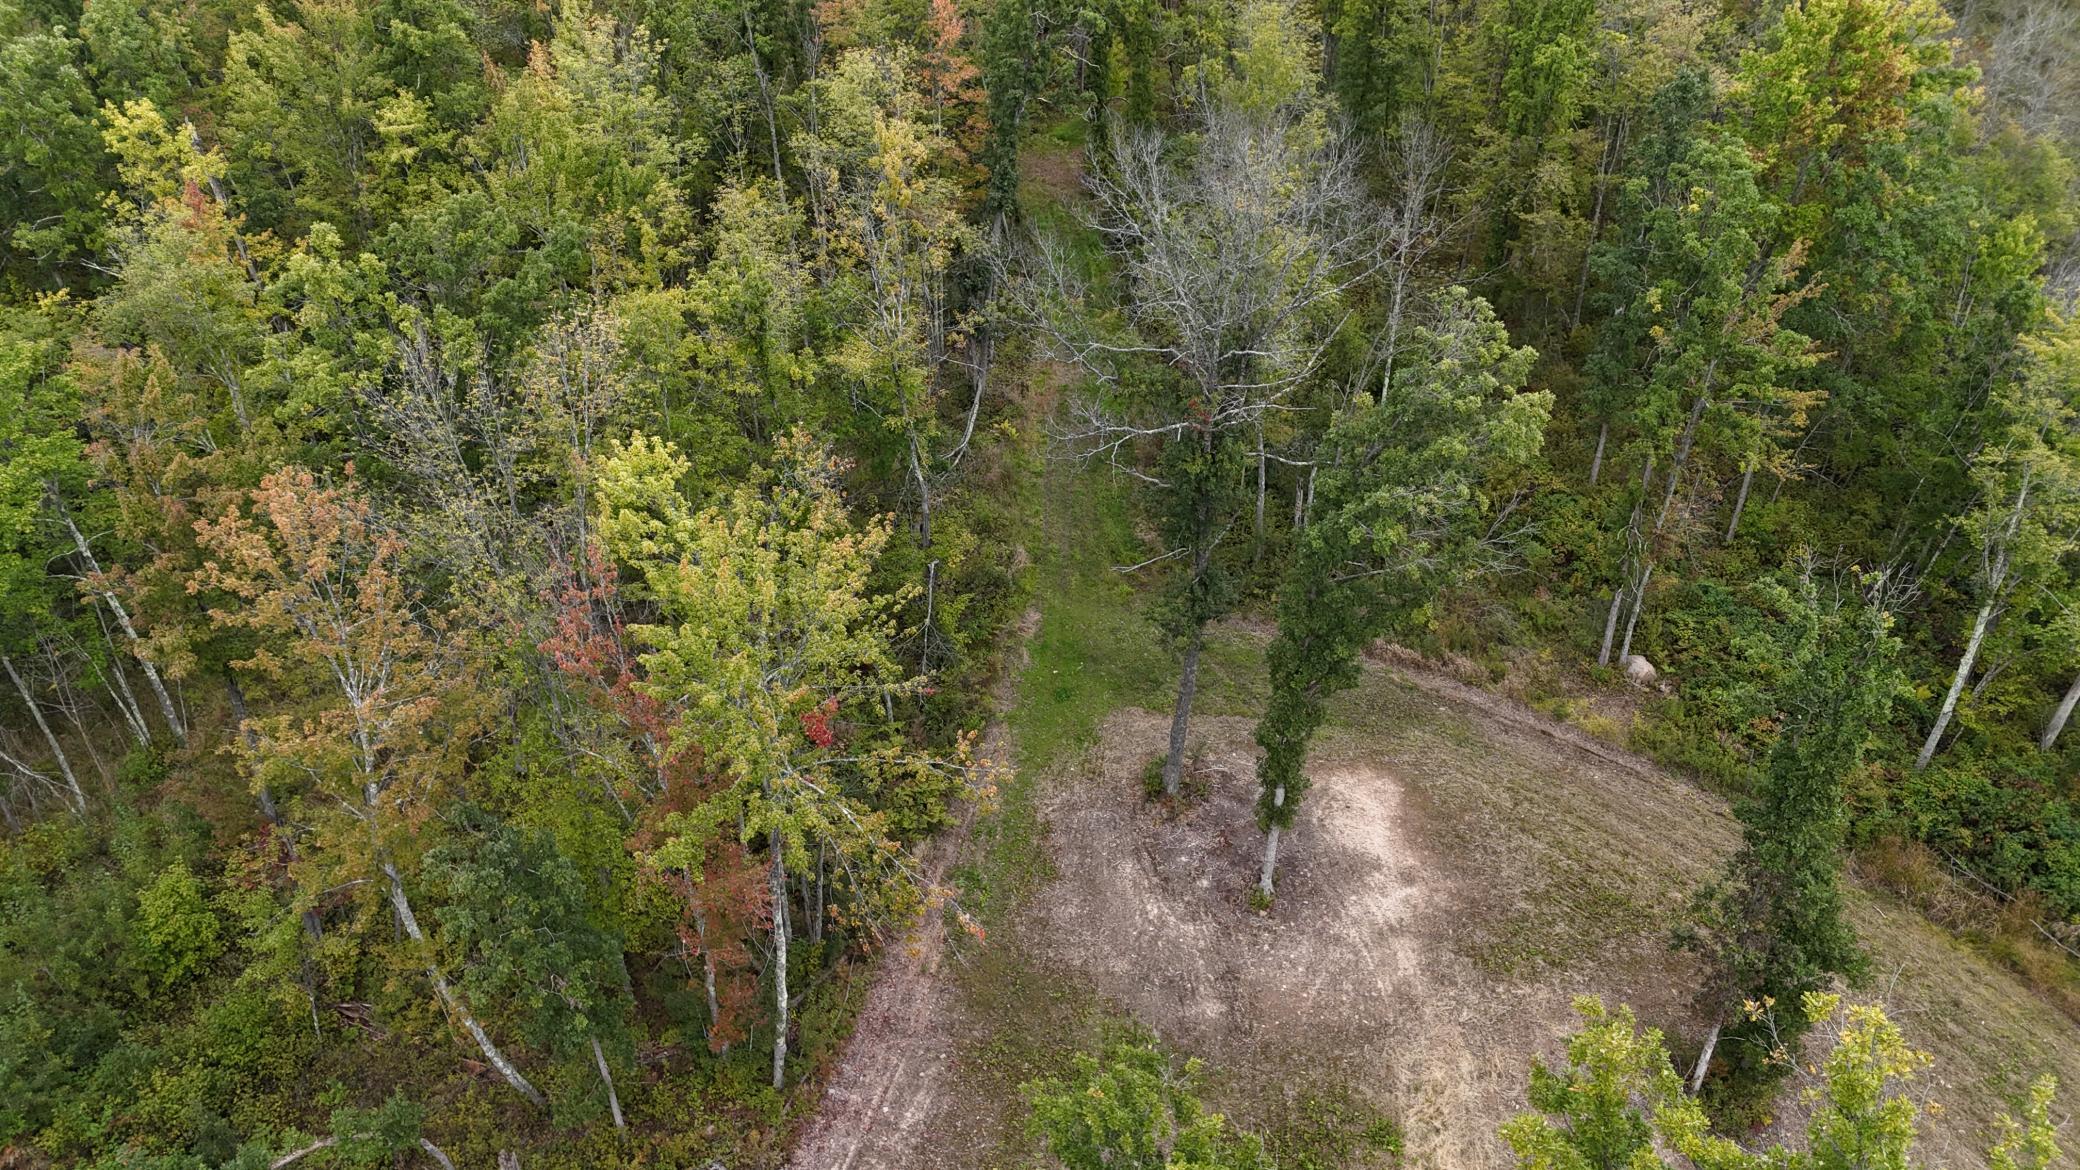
<point>178,934</point>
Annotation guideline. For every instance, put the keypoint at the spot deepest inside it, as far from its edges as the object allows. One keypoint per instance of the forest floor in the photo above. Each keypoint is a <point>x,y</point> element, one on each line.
<point>1462,870</point>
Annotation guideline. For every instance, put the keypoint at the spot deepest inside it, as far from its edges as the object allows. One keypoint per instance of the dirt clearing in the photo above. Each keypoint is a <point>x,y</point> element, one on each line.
<point>1462,869</point>
<point>1419,940</point>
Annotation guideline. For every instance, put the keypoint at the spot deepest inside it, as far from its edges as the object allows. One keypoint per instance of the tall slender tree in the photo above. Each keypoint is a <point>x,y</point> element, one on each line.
<point>2027,519</point>
<point>1772,929</point>
<point>314,572</point>
<point>771,643</point>
<point>1400,506</point>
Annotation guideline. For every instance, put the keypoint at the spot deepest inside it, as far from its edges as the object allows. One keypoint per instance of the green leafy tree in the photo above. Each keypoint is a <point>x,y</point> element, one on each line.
<point>1772,930</point>
<point>139,49</point>
<point>2027,518</point>
<point>1398,502</point>
<point>1134,1111</point>
<point>771,637</point>
<point>1618,1091</point>
<point>53,170</point>
<point>1701,321</point>
<point>178,931</point>
<point>40,453</point>
<point>313,572</point>
<point>518,914</point>
<point>1588,1114</point>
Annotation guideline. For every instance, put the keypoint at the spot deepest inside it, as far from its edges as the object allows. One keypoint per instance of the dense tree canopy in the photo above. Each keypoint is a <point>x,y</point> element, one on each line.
<point>512,516</point>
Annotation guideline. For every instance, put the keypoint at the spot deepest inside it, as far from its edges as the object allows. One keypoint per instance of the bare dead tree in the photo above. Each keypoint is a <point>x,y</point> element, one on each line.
<point>1237,245</point>
<point>2032,67</point>
<point>1417,165</point>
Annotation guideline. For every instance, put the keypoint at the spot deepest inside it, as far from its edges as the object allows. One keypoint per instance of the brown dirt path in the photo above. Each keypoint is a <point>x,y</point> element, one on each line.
<point>885,1097</point>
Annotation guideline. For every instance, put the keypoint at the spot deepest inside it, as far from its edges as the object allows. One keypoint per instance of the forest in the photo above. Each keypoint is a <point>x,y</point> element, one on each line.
<point>550,551</point>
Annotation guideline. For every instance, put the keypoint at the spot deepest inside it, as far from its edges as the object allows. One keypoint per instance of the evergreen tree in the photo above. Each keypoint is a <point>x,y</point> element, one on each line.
<point>1772,929</point>
<point>1398,508</point>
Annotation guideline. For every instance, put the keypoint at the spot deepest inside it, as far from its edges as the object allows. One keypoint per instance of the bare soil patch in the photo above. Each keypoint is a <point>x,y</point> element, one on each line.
<point>1462,870</point>
<point>1055,171</point>
<point>1421,945</point>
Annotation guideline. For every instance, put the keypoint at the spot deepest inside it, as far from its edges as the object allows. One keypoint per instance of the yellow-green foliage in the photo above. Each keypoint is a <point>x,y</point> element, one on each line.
<point>178,933</point>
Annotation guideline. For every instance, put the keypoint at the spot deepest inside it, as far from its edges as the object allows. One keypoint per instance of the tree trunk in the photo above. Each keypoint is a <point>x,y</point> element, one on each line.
<point>1632,544</point>
<point>79,795</point>
<point>1256,552</point>
<point>1704,1060</point>
<point>765,91</point>
<point>115,605</point>
<point>498,1060</point>
<point>1610,623</point>
<point>1739,502</point>
<point>27,773</point>
<point>1964,671</point>
<point>1683,445</point>
<point>1181,719</point>
<point>294,1156</point>
<point>924,496</point>
<point>779,892</point>
<point>700,927</point>
<point>126,701</point>
<point>2059,717</point>
<point>606,1076</point>
<point>984,349</point>
<point>1264,876</point>
<point>1639,602</point>
<point>1603,434</point>
<point>814,903</point>
<point>313,924</point>
<point>1608,160</point>
<point>237,695</point>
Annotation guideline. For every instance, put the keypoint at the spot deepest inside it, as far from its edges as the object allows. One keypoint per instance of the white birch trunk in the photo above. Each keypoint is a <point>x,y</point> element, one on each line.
<point>1610,624</point>
<point>497,1059</point>
<point>115,605</point>
<point>1957,681</point>
<point>606,1077</point>
<point>1603,434</point>
<point>79,795</point>
<point>1704,1060</point>
<point>1265,876</point>
<point>2059,716</point>
<point>1740,502</point>
<point>779,891</point>
<point>1639,602</point>
<point>116,681</point>
<point>700,927</point>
